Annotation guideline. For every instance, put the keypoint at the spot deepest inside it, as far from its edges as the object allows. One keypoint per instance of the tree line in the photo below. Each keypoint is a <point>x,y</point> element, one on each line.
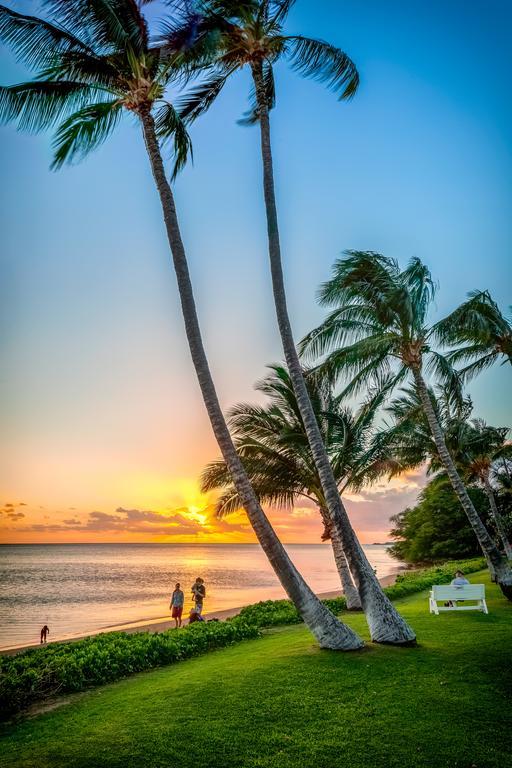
<point>97,60</point>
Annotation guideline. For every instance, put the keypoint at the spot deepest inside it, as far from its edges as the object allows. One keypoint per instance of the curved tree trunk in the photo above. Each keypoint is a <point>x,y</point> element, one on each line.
<point>385,623</point>
<point>489,548</point>
<point>349,588</point>
<point>500,525</point>
<point>327,629</point>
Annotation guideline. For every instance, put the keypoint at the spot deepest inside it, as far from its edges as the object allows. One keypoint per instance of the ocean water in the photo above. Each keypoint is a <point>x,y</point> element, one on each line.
<point>80,588</point>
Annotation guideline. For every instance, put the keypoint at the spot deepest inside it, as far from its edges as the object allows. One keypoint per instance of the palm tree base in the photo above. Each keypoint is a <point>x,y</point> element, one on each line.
<point>397,643</point>
<point>506,590</point>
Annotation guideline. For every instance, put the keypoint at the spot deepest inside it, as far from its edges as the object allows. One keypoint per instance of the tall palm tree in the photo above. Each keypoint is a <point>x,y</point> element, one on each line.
<point>274,448</point>
<point>95,62</point>
<point>483,331</point>
<point>475,446</point>
<point>249,33</point>
<point>379,325</point>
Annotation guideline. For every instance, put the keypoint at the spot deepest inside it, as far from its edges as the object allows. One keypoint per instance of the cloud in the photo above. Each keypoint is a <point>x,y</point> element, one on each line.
<point>9,510</point>
<point>169,523</point>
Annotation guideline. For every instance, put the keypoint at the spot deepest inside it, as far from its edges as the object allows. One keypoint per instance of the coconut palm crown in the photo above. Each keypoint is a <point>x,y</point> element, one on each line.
<point>94,62</point>
<point>379,326</point>
<point>272,442</point>
<point>481,333</point>
<point>250,33</point>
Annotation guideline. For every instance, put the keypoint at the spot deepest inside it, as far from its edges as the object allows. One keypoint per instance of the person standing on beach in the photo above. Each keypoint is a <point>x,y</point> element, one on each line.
<point>176,606</point>
<point>44,633</point>
<point>198,593</point>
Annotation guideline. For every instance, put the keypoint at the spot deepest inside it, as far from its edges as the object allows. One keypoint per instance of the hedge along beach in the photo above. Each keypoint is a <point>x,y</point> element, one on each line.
<point>79,590</point>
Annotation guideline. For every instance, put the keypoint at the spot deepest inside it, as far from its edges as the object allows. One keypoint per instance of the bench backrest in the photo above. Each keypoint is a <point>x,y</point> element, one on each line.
<point>466,592</point>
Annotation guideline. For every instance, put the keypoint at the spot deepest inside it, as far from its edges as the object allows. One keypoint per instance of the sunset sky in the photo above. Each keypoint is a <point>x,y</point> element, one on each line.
<point>102,429</point>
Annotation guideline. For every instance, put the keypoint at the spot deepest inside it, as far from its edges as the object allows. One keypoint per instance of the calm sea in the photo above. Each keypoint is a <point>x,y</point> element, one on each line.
<point>79,588</point>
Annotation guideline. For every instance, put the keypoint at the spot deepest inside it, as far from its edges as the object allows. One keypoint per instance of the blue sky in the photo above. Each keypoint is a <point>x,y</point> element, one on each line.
<point>97,386</point>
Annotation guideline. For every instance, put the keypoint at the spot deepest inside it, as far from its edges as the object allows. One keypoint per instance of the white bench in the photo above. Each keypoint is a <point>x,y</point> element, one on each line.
<point>451,594</point>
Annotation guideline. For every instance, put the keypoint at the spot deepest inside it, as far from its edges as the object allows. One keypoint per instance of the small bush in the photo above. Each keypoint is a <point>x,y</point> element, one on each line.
<point>66,667</point>
<point>409,582</point>
<point>273,613</point>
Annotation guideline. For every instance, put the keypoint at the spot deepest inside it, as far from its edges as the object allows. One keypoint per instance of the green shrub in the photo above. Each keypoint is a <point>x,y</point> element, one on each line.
<point>416,581</point>
<point>66,667</point>
<point>273,613</point>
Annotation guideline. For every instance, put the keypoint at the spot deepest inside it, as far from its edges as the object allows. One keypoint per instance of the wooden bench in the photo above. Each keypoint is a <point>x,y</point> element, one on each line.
<point>451,594</point>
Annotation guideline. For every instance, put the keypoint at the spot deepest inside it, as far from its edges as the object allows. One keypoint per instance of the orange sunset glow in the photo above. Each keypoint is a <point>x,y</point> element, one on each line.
<point>195,519</point>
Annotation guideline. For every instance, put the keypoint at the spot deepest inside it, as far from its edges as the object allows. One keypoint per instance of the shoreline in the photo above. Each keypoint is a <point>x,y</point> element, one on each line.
<point>165,622</point>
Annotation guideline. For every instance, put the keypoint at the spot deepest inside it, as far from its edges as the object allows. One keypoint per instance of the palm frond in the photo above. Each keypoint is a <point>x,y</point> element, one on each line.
<point>446,375</point>
<point>169,126</point>
<point>34,41</point>
<point>252,115</point>
<point>84,131</point>
<point>110,24</point>
<point>323,62</point>
<point>38,105</point>
<point>200,98</point>
<point>278,10</point>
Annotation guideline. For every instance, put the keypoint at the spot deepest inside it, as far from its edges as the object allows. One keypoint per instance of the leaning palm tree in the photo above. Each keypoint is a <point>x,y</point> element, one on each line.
<point>379,325</point>
<point>481,333</point>
<point>95,62</point>
<point>249,33</point>
<point>274,448</point>
<point>474,446</point>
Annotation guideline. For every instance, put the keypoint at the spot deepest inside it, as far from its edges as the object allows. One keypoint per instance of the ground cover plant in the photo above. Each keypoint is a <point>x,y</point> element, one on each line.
<point>66,667</point>
<point>281,702</point>
<point>58,668</point>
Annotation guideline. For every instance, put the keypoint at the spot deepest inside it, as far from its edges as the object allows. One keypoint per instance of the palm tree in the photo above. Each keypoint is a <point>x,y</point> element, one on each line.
<point>273,444</point>
<point>379,326</point>
<point>483,331</point>
<point>95,62</point>
<point>475,446</point>
<point>250,33</point>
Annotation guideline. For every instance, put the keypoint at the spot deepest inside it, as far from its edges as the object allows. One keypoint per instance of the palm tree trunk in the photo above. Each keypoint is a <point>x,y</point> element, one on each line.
<point>327,629</point>
<point>489,548</point>
<point>500,525</point>
<point>349,588</point>
<point>385,623</point>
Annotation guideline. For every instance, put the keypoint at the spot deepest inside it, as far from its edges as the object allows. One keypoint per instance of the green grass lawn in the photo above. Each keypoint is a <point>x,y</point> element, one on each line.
<point>280,702</point>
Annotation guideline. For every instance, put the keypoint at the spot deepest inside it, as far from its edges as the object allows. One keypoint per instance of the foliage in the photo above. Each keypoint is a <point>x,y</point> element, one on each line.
<point>94,61</point>
<point>271,613</point>
<point>271,440</point>
<point>239,34</point>
<point>65,667</point>
<point>277,702</point>
<point>437,527</point>
<point>378,327</point>
<point>409,582</point>
<point>481,333</point>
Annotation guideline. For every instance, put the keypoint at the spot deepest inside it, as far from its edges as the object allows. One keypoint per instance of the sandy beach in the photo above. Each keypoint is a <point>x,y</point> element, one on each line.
<point>164,623</point>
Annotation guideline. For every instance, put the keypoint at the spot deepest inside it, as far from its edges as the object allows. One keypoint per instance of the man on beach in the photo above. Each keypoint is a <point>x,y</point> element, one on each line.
<point>176,606</point>
<point>198,594</point>
<point>44,633</point>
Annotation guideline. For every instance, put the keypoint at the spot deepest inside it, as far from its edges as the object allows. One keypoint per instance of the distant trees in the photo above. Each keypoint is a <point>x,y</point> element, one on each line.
<point>436,528</point>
